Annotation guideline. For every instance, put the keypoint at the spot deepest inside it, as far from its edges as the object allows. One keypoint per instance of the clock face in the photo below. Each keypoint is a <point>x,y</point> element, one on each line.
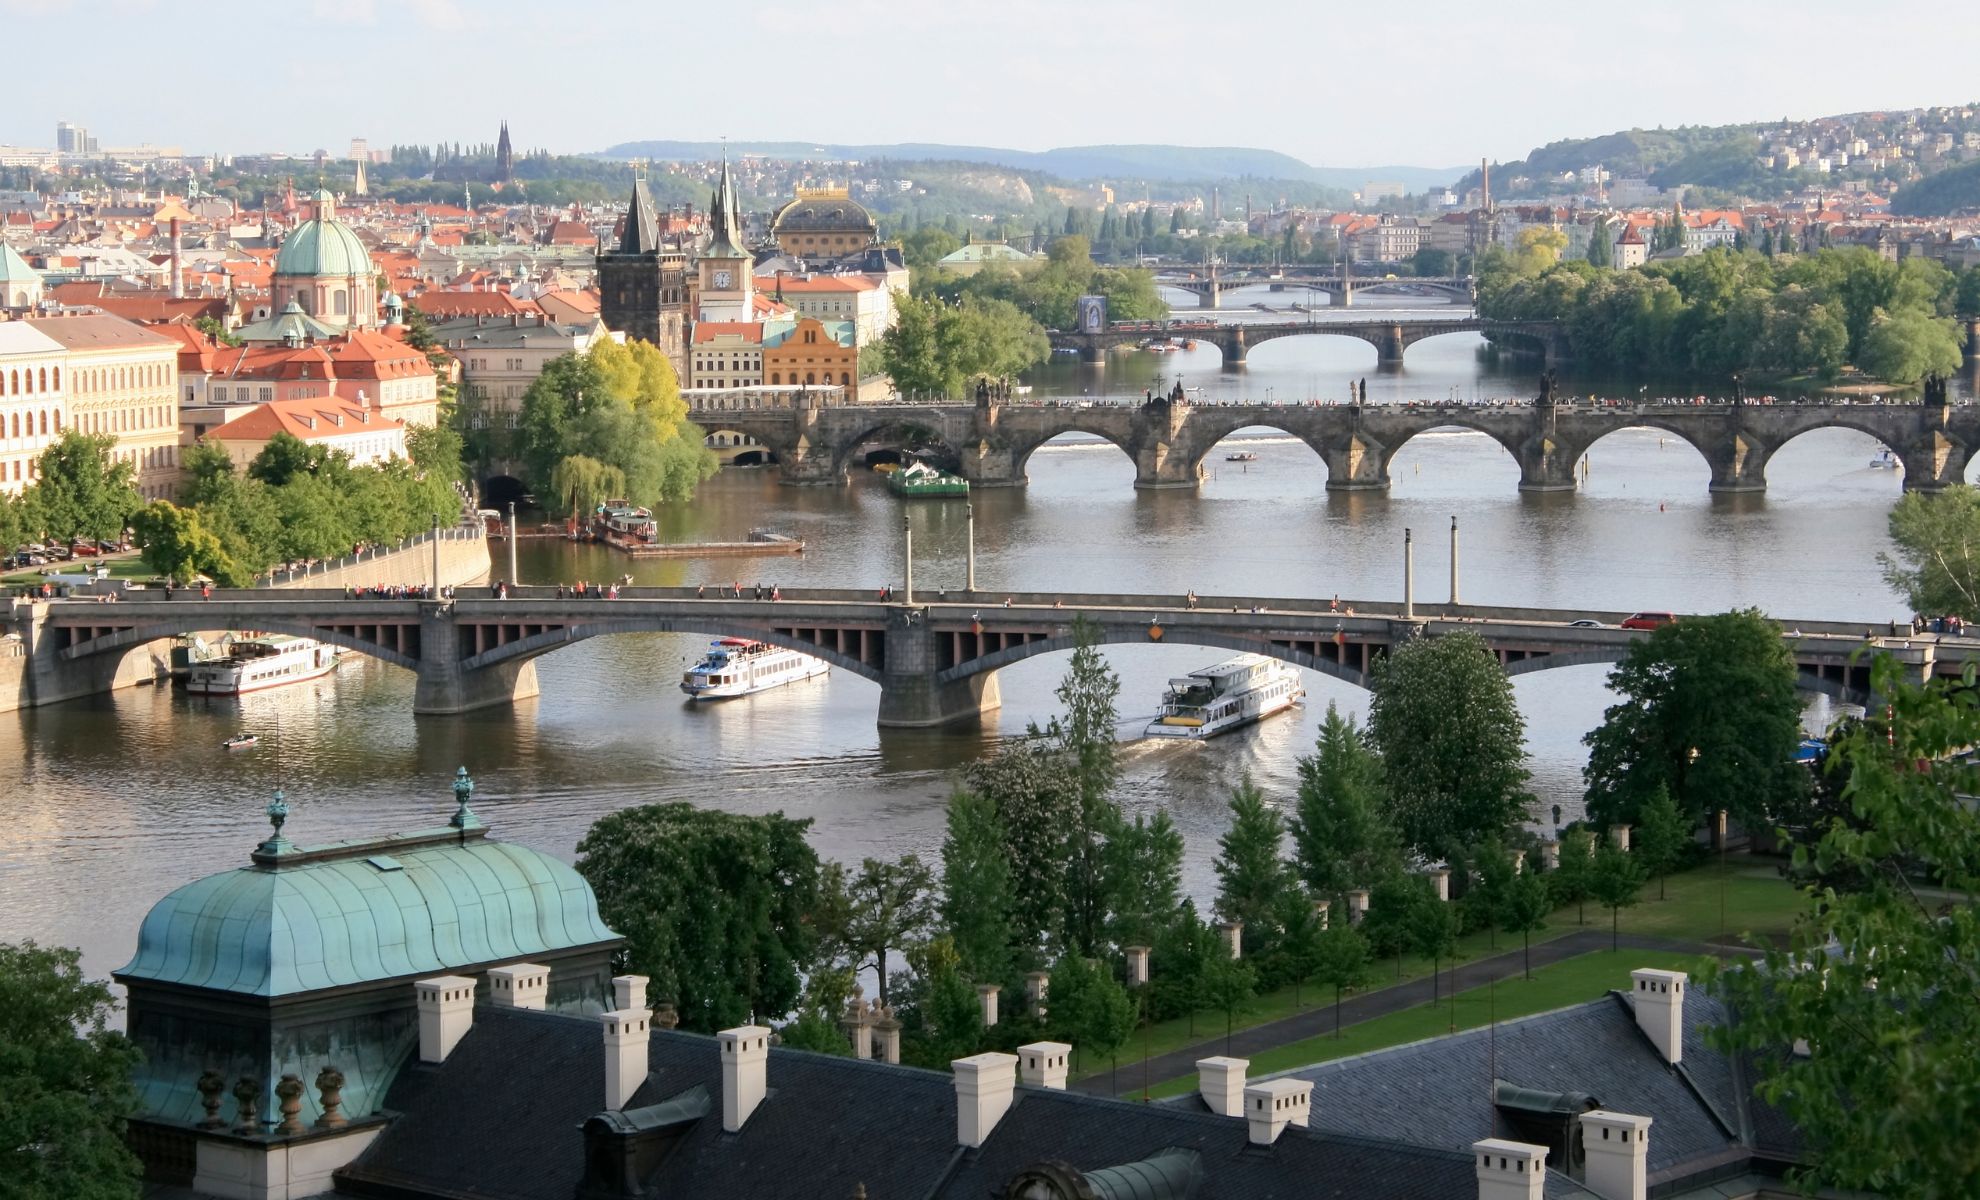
<point>723,279</point>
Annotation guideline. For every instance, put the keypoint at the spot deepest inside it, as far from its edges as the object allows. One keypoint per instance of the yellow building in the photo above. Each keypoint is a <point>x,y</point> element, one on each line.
<point>32,400</point>
<point>123,380</point>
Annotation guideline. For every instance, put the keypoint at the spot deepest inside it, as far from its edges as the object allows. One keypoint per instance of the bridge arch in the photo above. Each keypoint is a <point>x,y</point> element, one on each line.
<point>1655,425</point>
<point>1443,422</point>
<point>1906,455</point>
<point>842,453</point>
<point>1806,679</point>
<point>202,619</point>
<point>742,448</point>
<point>1022,452</point>
<point>1116,634</point>
<point>500,491</point>
<point>537,645</point>
<point>1209,439</point>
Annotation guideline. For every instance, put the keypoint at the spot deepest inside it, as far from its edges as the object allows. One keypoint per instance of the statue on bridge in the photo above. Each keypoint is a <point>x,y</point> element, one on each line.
<point>1546,397</point>
<point>1935,390</point>
<point>991,391</point>
<point>1739,390</point>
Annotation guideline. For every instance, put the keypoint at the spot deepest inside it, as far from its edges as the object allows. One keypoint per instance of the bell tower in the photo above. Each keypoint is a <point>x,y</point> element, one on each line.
<point>642,283</point>
<point>727,270</point>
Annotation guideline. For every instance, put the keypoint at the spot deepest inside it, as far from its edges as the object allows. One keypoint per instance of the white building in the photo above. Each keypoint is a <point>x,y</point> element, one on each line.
<point>32,403</point>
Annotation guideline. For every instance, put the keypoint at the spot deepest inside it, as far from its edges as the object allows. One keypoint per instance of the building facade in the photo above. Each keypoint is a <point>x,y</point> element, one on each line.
<point>32,407</point>
<point>726,271</point>
<point>359,433</point>
<point>501,358</point>
<point>643,284</point>
<point>123,381</point>
<point>811,352</point>
<point>823,223</point>
<point>327,271</point>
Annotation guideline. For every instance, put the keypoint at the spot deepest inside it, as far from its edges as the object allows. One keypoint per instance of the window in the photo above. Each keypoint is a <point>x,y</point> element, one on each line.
<point>339,304</point>
<point>58,379</point>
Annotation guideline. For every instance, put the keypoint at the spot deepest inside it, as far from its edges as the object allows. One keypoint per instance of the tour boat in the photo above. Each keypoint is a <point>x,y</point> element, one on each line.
<point>1885,461</point>
<point>254,663</point>
<point>239,741</point>
<point>918,480</point>
<point>1241,456</point>
<point>741,667</point>
<point>1216,699</point>
<point>628,520</point>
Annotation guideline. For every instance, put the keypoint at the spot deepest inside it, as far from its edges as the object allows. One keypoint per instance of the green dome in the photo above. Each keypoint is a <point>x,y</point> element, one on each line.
<point>323,247</point>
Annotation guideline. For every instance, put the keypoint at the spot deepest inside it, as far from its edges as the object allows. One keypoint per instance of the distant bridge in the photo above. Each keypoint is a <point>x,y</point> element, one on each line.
<point>1210,283</point>
<point>1390,337</point>
<point>936,663</point>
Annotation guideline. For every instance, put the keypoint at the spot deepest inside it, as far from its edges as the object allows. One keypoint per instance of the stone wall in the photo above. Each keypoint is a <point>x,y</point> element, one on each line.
<point>464,560</point>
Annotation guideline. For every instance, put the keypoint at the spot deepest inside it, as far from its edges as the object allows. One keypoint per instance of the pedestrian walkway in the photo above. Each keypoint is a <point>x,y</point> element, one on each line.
<point>1381,1002</point>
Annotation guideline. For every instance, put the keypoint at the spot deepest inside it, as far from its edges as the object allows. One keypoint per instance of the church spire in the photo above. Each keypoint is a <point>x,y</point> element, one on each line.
<point>505,156</point>
<point>642,232</point>
<point>725,217</point>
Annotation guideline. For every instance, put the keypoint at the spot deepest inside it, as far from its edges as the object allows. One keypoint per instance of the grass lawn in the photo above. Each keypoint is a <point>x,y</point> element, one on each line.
<point>1572,982</point>
<point>122,566</point>
<point>1757,902</point>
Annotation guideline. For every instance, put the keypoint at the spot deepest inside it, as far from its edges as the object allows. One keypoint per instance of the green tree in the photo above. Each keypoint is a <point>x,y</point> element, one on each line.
<point>816,1025</point>
<point>1433,930</point>
<point>1485,900</point>
<point>1032,798</point>
<point>284,457</point>
<point>1905,347</point>
<point>1142,861</point>
<point>178,546</point>
<point>1616,883</point>
<point>715,907</point>
<point>1708,710</point>
<point>1432,261</point>
<point>1661,836</point>
<point>211,327</point>
<point>1228,986</point>
<point>1527,902</point>
<point>1176,966</point>
<point>1342,962</point>
<point>881,907</point>
<point>1082,736</point>
<point>1572,880</point>
<point>1296,954</point>
<point>951,1016</point>
<point>1452,742</point>
<point>1877,984</point>
<point>65,1081</point>
<point>976,886</point>
<point>580,483</point>
<point>82,491</point>
<point>1936,559</point>
<point>1601,247</point>
<point>1342,840</point>
<point>1251,878</point>
<point>1090,1007</point>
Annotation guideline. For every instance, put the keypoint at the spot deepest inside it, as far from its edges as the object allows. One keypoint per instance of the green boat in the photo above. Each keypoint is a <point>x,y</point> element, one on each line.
<point>918,480</point>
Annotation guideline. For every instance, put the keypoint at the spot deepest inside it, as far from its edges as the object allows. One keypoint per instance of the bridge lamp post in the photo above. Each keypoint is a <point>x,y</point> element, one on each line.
<point>1409,575</point>
<point>969,577</point>
<point>514,579</point>
<point>1454,561</point>
<point>907,535</point>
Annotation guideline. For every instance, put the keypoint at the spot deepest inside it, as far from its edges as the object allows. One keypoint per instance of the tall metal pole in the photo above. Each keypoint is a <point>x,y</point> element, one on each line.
<point>1409,575</point>
<point>969,578</point>
<point>907,533</point>
<point>1454,561</point>
<point>515,579</point>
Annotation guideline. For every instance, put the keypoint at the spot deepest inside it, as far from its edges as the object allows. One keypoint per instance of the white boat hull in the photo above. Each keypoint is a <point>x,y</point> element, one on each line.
<point>216,679</point>
<point>748,682</point>
<point>1275,694</point>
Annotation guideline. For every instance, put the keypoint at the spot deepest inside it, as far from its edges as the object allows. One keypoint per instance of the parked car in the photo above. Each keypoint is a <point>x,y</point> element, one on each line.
<point>60,552</point>
<point>1586,623</point>
<point>1648,620</point>
<point>84,550</point>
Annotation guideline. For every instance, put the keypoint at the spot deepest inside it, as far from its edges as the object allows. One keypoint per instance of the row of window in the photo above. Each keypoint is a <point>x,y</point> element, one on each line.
<point>123,420</point>
<point>34,421</point>
<point>23,383</point>
<point>111,379</point>
<point>241,394</point>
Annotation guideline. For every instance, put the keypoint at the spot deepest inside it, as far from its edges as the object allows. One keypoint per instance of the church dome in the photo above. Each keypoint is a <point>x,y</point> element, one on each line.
<point>323,247</point>
<point>823,210</point>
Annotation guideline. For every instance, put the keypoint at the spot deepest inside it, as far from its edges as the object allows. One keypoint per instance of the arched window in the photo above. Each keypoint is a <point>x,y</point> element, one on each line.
<point>810,377</point>
<point>11,382</point>
<point>44,422</point>
<point>44,379</point>
<point>58,379</point>
<point>845,379</point>
<point>17,425</point>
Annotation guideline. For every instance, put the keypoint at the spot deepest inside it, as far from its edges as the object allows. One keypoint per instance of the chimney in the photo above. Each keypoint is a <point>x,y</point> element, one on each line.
<point>1220,1081</point>
<point>1620,833</point>
<point>986,995</point>
<point>519,985</point>
<point>1043,1064</point>
<point>745,1068</point>
<point>178,269</point>
<point>1510,1170</point>
<point>858,1024</point>
<point>1036,985</point>
<point>984,1085</point>
<point>1441,880</point>
<point>889,1030</point>
<point>1274,1104</point>
<point>626,1035</point>
<point>1357,906</point>
<point>1321,911</point>
<point>446,1013</point>
<point>1659,998</point>
<point>1617,1149</point>
<point>628,992</point>
<point>1233,932</point>
<point>1137,964</point>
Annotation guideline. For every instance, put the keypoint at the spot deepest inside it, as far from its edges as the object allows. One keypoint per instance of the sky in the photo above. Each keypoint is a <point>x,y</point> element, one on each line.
<point>1431,83</point>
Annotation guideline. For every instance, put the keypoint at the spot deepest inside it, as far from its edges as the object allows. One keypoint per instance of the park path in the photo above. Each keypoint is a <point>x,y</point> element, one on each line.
<point>1366,1006</point>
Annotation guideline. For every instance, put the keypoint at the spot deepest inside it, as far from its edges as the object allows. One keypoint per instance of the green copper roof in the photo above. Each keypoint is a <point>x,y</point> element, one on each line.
<point>324,247</point>
<point>411,905</point>
<point>14,268</point>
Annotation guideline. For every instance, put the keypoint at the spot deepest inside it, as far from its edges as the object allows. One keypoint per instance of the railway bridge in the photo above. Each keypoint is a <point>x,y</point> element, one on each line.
<point>1168,438</point>
<point>935,663</point>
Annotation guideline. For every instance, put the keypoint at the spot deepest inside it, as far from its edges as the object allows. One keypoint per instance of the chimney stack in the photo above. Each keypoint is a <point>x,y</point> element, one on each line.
<point>1234,937</point>
<point>519,985</point>
<point>1621,835</point>
<point>1274,1104</point>
<point>859,1025</point>
<point>1659,999</point>
<point>1043,1064</point>
<point>446,1013</point>
<point>1617,1146</point>
<point>1441,880</point>
<point>1510,1170</point>
<point>1321,912</point>
<point>629,992</point>
<point>1036,985</point>
<point>889,1030</point>
<point>986,995</point>
<point>1220,1081</point>
<point>626,1034</point>
<point>1137,965</point>
<point>745,1070</point>
<point>1357,906</point>
<point>984,1086</point>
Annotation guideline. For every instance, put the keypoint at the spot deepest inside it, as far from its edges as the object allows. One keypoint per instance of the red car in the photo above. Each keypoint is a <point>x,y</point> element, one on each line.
<point>1648,620</point>
<point>84,550</point>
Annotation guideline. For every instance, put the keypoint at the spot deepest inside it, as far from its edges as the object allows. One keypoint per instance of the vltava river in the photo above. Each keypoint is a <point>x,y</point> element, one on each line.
<point>117,799</point>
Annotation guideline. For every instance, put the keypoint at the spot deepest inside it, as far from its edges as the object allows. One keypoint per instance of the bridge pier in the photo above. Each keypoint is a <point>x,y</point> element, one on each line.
<point>1093,354</point>
<point>1389,346</point>
<point>1356,466</point>
<point>1742,468</point>
<point>1933,463</point>
<point>911,695</point>
<point>1211,296</point>
<point>1235,349</point>
<point>985,465</point>
<point>1547,466</point>
<point>446,686</point>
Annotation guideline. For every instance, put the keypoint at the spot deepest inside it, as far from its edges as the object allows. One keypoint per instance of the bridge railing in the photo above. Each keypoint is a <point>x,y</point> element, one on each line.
<point>463,532</point>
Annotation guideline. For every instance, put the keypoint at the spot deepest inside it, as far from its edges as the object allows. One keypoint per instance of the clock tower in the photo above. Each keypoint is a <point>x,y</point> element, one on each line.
<point>728,271</point>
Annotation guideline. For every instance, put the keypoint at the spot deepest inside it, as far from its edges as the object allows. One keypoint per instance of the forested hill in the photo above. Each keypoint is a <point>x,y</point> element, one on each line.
<point>1950,191</point>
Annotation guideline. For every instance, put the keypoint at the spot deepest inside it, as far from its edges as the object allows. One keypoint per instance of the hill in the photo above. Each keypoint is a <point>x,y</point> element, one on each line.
<point>1954,190</point>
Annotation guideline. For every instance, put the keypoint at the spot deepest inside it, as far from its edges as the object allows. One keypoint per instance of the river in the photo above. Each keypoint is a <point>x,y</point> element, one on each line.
<point>117,799</point>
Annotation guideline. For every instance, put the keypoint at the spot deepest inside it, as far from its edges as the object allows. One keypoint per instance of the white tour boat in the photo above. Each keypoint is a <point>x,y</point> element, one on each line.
<point>741,667</point>
<point>1216,699</point>
<point>266,661</point>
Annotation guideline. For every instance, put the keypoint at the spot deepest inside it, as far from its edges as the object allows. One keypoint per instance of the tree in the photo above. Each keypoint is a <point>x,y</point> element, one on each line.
<point>1538,248</point>
<point>950,1014</point>
<point>1142,862</point>
<point>715,907</point>
<point>1083,739</point>
<point>938,347</point>
<point>1570,882</point>
<point>284,457</point>
<point>580,483</point>
<point>1341,838</point>
<point>82,491</point>
<point>1616,883</point>
<point>1177,963</point>
<point>1601,247</point>
<point>881,907</point>
<point>1432,261</point>
<point>1251,878</point>
<point>1661,836</point>
<point>65,1081</point>
<point>211,327</point>
<point>976,886</point>
<point>1453,780</point>
<point>1525,908</point>
<point>1905,347</point>
<point>1297,952</point>
<point>1432,926</point>
<point>1877,985</point>
<point>620,405</point>
<point>1090,1007</point>
<point>816,1026</point>
<point>1486,898</point>
<point>1708,710</point>
<point>1228,986</point>
<point>178,546</point>
<point>1342,962</point>
<point>1031,797</point>
<point>1936,563</point>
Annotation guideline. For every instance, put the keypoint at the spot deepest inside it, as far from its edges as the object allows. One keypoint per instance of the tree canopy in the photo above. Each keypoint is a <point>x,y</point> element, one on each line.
<point>619,406</point>
<point>1936,559</point>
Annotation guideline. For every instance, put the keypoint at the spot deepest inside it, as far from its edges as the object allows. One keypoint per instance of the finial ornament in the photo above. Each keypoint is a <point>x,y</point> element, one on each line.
<point>464,817</point>
<point>278,813</point>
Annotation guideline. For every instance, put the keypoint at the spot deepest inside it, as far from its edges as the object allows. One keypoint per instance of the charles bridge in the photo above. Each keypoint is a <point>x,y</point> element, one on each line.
<point>935,663</point>
<point>1168,438</point>
<point>1208,284</point>
<point>1389,335</point>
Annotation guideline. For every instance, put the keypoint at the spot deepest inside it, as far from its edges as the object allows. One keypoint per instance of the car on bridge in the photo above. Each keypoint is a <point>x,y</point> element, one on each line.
<point>1647,620</point>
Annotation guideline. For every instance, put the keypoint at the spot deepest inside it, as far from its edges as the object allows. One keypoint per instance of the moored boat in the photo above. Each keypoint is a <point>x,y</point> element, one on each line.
<point>1241,456</point>
<point>1218,699</point>
<point>741,667</point>
<point>253,664</point>
<point>918,480</point>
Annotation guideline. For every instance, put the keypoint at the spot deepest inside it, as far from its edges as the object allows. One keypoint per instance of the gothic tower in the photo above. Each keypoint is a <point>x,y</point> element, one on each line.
<point>505,157</point>
<point>728,269</point>
<point>642,283</point>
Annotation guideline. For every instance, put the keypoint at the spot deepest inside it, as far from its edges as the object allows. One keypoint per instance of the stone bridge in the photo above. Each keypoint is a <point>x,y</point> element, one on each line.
<point>1389,337</point>
<point>1210,284</point>
<point>1168,439</point>
<point>935,663</point>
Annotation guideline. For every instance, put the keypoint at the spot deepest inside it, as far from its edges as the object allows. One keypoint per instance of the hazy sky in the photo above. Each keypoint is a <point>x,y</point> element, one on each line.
<point>1431,82</point>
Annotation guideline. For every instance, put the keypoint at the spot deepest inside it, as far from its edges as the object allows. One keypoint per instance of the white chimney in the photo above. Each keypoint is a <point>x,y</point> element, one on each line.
<point>1550,854</point>
<point>446,1013</point>
<point>745,1072</point>
<point>1617,1150</point>
<point>1510,1170</point>
<point>1659,1000</point>
<point>1322,910</point>
<point>1220,1081</point>
<point>1036,985</point>
<point>519,985</point>
<point>1137,964</point>
<point>1043,1064</point>
<point>1274,1104</point>
<point>889,1030</point>
<point>1357,906</point>
<point>626,1034</point>
<point>1621,835</point>
<point>984,1086</point>
<point>986,995</point>
<point>628,992</point>
<point>1234,937</point>
<point>1441,880</point>
<point>1519,862</point>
